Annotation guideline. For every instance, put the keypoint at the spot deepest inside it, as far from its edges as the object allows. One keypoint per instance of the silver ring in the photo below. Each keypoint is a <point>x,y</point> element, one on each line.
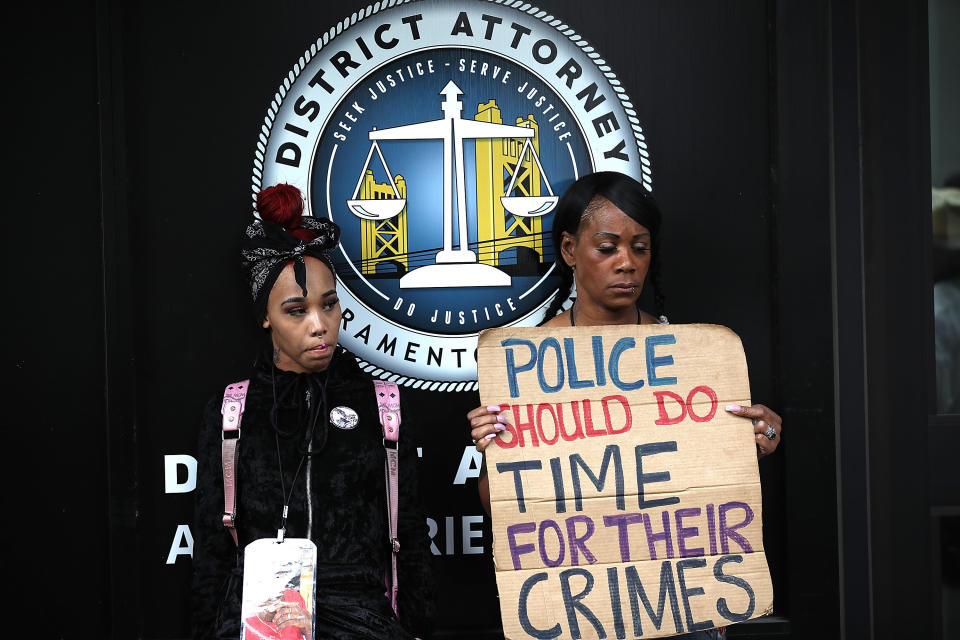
<point>771,433</point>
<point>474,440</point>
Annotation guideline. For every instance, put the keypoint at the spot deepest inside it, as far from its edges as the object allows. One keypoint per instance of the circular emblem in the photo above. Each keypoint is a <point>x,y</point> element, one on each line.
<point>344,417</point>
<point>439,136</point>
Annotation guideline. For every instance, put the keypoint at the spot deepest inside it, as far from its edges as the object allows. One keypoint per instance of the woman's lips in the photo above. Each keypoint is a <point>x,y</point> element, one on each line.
<point>624,287</point>
<point>319,349</point>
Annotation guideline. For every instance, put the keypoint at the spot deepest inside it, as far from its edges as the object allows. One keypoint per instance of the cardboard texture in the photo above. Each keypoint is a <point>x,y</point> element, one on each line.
<point>625,499</point>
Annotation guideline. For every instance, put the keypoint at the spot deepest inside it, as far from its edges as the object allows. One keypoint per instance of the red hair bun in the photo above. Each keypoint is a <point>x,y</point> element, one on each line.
<point>282,204</point>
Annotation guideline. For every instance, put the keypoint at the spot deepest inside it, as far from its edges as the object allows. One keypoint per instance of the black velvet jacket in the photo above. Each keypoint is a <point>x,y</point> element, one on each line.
<point>348,523</point>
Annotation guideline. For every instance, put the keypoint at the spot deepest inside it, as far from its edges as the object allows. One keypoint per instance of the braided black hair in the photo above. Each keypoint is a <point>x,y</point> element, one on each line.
<point>564,288</point>
<point>577,204</point>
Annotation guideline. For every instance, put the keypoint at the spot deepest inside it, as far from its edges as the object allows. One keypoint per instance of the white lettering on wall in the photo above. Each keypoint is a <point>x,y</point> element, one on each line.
<point>470,463</point>
<point>444,542</point>
<point>469,533</point>
<point>182,544</point>
<point>170,464</point>
<point>431,532</point>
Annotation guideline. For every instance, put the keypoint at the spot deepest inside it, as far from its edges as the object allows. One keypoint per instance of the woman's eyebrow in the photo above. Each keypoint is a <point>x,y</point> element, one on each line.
<point>293,299</point>
<point>332,292</point>
<point>617,235</point>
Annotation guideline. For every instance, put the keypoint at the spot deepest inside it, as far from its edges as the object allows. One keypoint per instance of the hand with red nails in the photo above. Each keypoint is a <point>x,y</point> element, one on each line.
<point>767,426</point>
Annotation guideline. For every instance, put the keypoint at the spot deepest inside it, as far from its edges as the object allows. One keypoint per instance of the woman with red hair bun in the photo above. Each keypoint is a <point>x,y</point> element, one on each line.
<point>310,463</point>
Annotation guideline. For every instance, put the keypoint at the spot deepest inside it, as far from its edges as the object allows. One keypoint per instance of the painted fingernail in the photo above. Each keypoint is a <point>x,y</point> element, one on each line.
<point>493,408</point>
<point>733,407</point>
<point>500,427</point>
<point>502,419</point>
<point>490,436</point>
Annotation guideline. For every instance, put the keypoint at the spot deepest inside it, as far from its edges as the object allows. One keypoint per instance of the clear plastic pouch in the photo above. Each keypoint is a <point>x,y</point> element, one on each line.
<point>278,589</point>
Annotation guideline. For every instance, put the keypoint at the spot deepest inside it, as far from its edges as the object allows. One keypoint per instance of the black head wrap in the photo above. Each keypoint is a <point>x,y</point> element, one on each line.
<point>267,247</point>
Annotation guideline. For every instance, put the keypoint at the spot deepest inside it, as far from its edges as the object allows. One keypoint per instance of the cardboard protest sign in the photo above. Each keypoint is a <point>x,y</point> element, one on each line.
<point>625,499</point>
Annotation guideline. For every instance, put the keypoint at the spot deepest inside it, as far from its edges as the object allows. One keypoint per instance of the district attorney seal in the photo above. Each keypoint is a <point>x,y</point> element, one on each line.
<point>438,134</point>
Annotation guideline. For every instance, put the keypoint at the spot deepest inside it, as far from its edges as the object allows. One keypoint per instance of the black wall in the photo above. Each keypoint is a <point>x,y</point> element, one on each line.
<point>133,146</point>
<point>56,454</point>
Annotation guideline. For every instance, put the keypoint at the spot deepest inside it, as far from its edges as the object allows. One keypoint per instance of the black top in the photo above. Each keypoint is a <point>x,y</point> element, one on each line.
<point>349,521</point>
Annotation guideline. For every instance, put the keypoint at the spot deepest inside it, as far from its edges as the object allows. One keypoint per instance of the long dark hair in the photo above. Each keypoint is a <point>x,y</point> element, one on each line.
<point>580,200</point>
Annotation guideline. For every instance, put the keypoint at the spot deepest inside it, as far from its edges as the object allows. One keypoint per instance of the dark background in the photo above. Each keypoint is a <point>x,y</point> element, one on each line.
<point>789,142</point>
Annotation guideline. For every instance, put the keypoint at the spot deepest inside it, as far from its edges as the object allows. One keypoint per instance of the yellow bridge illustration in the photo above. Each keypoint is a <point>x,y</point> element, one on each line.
<point>384,248</point>
<point>383,242</point>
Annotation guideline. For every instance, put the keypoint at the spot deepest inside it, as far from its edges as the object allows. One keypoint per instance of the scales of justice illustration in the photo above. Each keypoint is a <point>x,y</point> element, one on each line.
<point>453,267</point>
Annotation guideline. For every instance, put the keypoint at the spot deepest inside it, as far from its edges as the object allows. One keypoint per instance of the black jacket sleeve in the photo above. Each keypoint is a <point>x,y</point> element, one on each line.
<point>416,600</point>
<point>217,579</point>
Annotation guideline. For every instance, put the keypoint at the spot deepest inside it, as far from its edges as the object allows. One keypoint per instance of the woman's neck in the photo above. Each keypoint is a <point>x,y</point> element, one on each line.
<point>591,315</point>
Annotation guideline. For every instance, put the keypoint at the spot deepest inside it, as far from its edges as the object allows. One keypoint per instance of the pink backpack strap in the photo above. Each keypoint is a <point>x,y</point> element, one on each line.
<point>388,405</point>
<point>234,401</point>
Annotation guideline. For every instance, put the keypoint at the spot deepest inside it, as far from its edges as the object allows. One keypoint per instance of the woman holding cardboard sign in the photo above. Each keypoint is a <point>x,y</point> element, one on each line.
<point>607,227</point>
<point>606,231</point>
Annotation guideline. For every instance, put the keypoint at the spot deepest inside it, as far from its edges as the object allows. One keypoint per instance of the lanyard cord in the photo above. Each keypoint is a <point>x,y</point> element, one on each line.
<point>303,456</point>
<point>283,491</point>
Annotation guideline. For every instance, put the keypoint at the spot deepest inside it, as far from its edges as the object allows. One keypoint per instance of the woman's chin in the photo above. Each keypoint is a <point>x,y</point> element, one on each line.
<point>316,365</point>
<point>308,362</point>
<point>621,302</point>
